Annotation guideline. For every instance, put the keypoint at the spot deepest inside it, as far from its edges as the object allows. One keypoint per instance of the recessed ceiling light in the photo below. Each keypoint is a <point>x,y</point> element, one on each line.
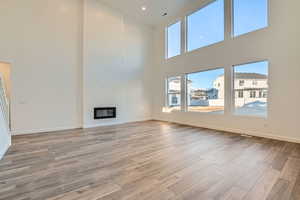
<point>144,8</point>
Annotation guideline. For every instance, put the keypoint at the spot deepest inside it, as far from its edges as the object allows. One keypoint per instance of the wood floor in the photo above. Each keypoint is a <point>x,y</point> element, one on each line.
<point>149,160</point>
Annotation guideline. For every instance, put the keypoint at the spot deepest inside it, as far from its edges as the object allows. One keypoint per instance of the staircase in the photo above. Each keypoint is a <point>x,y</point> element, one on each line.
<point>4,103</point>
<point>5,136</point>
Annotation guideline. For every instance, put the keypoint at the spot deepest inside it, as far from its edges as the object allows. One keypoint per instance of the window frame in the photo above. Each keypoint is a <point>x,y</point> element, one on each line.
<point>228,19</point>
<point>205,4</point>
<point>233,108</point>
<point>244,34</point>
<point>186,95</point>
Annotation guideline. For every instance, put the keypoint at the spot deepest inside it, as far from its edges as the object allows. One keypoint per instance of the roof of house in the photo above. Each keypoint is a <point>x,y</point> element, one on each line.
<point>249,76</point>
<point>177,79</point>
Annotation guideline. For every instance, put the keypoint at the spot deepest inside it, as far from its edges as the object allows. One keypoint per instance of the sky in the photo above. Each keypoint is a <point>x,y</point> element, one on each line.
<point>174,39</point>
<point>206,27</point>
<point>250,15</point>
<point>258,67</point>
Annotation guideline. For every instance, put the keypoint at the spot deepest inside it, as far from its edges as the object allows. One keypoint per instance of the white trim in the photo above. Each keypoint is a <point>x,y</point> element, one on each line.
<point>103,124</point>
<point>46,130</point>
<point>114,123</point>
<point>239,131</point>
<point>183,93</point>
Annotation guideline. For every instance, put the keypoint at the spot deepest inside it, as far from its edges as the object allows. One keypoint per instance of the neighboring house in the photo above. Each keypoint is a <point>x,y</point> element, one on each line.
<point>202,97</point>
<point>204,94</point>
<point>174,88</point>
<point>248,88</point>
<point>174,91</point>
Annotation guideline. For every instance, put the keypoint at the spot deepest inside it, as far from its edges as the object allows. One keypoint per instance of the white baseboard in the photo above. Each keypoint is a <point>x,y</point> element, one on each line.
<point>46,130</point>
<point>238,131</point>
<point>115,123</point>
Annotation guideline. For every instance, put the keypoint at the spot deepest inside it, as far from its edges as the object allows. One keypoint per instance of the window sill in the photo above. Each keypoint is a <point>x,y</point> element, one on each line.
<point>250,116</point>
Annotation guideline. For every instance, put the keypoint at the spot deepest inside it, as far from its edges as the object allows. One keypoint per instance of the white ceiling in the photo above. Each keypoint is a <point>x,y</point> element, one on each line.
<point>155,8</point>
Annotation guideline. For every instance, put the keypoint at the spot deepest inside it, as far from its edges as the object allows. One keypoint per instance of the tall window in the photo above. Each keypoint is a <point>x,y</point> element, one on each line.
<point>174,40</point>
<point>174,92</point>
<point>206,26</point>
<point>254,100</point>
<point>249,15</point>
<point>205,91</point>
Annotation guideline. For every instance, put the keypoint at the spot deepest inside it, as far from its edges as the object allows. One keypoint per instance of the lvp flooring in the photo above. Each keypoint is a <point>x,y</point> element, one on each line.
<point>149,160</point>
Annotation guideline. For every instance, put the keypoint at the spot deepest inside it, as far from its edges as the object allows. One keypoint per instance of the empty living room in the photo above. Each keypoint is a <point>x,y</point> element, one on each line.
<point>149,100</point>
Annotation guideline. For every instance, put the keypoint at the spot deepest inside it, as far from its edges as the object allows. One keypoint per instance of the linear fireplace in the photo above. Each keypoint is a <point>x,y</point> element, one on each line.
<point>105,113</point>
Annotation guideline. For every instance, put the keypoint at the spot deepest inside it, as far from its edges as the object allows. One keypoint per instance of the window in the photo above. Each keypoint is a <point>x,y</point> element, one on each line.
<point>205,91</point>
<point>253,102</point>
<point>241,94</point>
<point>242,82</point>
<point>206,26</point>
<point>260,94</point>
<point>174,40</point>
<point>174,92</point>
<point>249,15</point>
<point>265,94</point>
<point>252,94</point>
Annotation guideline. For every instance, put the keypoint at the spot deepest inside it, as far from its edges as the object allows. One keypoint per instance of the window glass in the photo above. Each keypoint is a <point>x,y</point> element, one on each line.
<point>206,26</point>
<point>249,15</point>
<point>255,88</point>
<point>174,40</point>
<point>206,91</point>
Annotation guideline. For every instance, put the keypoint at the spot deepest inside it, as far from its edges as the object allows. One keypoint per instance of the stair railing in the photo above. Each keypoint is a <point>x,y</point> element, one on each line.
<point>4,102</point>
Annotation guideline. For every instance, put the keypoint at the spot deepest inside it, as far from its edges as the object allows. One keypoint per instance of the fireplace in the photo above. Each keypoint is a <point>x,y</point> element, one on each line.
<point>105,113</point>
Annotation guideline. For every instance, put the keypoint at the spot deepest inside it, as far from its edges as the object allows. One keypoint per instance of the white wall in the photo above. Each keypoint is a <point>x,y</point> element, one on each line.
<point>117,65</point>
<point>279,43</point>
<point>41,39</point>
<point>69,56</point>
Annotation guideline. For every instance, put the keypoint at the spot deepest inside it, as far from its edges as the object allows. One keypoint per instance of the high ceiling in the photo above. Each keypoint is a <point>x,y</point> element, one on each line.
<point>154,8</point>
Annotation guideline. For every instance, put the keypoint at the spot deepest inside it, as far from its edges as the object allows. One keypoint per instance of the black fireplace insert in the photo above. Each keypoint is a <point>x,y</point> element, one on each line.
<point>105,113</point>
